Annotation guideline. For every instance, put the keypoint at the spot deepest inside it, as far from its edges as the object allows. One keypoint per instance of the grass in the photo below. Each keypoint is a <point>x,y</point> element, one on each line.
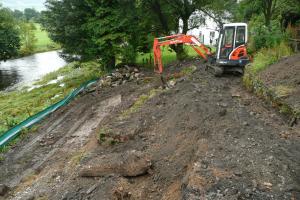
<point>267,56</point>
<point>16,106</point>
<point>141,100</point>
<point>168,55</point>
<point>283,90</point>
<point>44,43</point>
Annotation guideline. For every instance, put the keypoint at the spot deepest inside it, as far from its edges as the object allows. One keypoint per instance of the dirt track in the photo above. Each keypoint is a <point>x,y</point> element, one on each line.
<point>207,138</point>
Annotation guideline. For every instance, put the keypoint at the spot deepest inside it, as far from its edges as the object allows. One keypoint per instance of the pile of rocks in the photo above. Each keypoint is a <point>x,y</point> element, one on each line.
<point>120,76</point>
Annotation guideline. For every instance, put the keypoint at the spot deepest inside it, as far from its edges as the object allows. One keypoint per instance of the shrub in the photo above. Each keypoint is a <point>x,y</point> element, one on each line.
<point>262,36</point>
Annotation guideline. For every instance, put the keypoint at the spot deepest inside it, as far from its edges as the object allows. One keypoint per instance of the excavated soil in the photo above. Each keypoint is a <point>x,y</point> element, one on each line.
<point>204,138</point>
<point>285,76</point>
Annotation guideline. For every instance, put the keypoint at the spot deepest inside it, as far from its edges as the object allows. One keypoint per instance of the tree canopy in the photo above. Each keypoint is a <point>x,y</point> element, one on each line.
<point>9,40</point>
<point>118,29</point>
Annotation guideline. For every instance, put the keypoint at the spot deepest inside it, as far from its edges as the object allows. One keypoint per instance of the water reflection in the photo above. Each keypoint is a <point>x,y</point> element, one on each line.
<point>24,71</point>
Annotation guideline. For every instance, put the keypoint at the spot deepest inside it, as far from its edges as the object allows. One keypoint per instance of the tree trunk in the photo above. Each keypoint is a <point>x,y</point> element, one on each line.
<point>185,27</point>
<point>156,7</point>
<point>109,62</point>
<point>180,52</point>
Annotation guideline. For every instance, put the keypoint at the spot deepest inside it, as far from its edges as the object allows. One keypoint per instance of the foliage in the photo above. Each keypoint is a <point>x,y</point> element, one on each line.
<point>101,33</point>
<point>30,14</point>
<point>9,35</point>
<point>262,36</point>
<point>28,37</point>
<point>116,30</point>
<point>268,56</point>
<point>167,17</point>
<point>18,15</point>
<point>284,11</point>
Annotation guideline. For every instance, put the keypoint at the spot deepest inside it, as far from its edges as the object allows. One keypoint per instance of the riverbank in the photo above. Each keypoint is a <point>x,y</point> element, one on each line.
<point>53,87</point>
<point>16,106</point>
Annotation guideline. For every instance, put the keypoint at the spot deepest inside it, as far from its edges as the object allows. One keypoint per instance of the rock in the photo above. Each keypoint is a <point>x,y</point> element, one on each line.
<point>245,124</point>
<point>238,173</point>
<point>223,112</point>
<point>232,191</point>
<point>91,189</point>
<point>128,164</point>
<point>172,83</point>
<point>121,76</point>
<point>3,189</point>
<point>268,185</point>
<point>31,197</point>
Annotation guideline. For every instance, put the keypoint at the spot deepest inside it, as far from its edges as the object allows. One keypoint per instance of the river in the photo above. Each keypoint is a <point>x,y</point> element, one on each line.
<point>20,72</point>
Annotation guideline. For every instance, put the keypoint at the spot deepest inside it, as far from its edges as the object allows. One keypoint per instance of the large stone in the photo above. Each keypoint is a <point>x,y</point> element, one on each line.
<point>129,164</point>
<point>3,189</point>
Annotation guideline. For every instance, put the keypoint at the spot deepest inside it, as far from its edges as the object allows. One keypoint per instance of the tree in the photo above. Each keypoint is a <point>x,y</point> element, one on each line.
<point>180,16</point>
<point>19,15</point>
<point>173,16</point>
<point>221,11</point>
<point>268,7</point>
<point>9,35</point>
<point>93,29</point>
<point>31,14</point>
<point>28,38</point>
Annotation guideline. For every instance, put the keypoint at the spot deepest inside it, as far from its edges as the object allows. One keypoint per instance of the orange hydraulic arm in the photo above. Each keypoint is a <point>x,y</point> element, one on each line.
<point>201,49</point>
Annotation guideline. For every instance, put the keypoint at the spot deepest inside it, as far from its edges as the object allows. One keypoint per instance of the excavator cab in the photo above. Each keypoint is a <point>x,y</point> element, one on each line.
<point>231,52</point>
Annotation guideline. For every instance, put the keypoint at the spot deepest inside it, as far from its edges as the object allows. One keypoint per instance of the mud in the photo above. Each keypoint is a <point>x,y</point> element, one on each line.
<point>206,137</point>
<point>285,77</point>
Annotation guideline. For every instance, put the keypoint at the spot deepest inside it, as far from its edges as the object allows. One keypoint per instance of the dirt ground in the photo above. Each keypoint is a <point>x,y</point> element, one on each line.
<point>284,78</point>
<point>204,138</point>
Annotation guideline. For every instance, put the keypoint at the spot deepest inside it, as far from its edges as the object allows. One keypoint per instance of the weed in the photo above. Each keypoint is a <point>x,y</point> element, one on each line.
<point>2,158</point>
<point>188,70</point>
<point>283,91</point>
<point>266,57</point>
<point>106,135</point>
<point>140,102</point>
<point>77,157</point>
<point>103,134</point>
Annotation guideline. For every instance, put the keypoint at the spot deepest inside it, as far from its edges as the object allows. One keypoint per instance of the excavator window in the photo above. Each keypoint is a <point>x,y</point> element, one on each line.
<point>227,42</point>
<point>240,36</point>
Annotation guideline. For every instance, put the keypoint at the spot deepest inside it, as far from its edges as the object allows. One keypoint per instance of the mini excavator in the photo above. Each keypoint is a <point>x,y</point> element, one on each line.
<point>230,56</point>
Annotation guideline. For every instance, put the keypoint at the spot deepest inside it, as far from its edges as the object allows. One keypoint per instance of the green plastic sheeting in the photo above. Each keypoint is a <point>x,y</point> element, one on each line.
<point>15,131</point>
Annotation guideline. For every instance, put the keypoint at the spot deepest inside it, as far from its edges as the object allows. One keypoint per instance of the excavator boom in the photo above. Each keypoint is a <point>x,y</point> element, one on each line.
<point>200,48</point>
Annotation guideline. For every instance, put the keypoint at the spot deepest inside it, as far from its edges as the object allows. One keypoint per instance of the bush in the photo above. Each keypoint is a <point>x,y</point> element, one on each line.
<point>128,54</point>
<point>262,36</point>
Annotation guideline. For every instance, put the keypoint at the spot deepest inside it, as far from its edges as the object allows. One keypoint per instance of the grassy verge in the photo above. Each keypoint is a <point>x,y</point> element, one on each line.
<point>263,59</point>
<point>16,106</point>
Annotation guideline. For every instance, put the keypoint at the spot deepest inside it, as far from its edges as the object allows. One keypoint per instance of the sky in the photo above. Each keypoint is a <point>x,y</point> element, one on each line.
<point>22,4</point>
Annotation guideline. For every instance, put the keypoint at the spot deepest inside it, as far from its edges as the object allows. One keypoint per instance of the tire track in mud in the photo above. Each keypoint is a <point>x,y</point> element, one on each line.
<point>75,135</point>
<point>207,139</point>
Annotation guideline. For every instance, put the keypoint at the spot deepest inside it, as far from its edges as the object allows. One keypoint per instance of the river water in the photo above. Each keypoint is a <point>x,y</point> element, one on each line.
<point>24,71</point>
